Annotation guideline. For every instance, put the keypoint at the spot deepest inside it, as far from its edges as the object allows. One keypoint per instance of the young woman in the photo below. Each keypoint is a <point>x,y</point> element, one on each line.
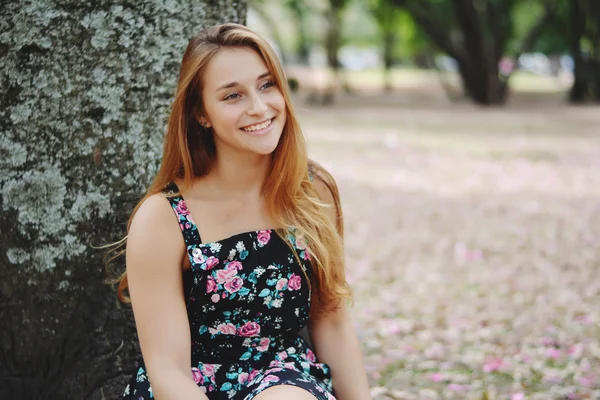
<point>219,298</point>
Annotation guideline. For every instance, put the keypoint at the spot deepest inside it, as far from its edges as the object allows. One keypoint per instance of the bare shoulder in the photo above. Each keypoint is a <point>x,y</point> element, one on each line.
<point>324,183</point>
<point>155,229</point>
<point>153,209</point>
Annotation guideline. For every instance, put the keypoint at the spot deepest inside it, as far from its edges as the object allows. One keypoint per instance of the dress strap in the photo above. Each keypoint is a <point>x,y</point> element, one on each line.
<point>188,227</point>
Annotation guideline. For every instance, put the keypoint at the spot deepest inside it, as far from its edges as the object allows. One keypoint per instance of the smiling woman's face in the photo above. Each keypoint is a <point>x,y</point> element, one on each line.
<point>242,103</point>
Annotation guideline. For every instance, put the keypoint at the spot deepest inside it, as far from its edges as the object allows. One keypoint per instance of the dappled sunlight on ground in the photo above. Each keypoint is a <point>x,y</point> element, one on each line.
<point>472,244</point>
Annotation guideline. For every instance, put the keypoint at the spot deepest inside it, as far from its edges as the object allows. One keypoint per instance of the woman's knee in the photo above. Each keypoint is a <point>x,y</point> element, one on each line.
<point>287,392</point>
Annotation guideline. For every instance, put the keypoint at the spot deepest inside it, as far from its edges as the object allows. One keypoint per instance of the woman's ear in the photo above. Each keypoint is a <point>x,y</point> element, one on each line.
<point>202,120</point>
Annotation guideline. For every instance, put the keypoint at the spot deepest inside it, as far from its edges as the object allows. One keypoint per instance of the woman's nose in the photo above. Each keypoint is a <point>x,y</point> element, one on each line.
<point>257,105</point>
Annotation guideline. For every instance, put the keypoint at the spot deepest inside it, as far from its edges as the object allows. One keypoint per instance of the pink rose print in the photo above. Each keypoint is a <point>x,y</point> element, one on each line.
<point>197,375</point>
<point>281,284</point>
<point>300,243</point>
<point>227,329</point>
<point>311,356</point>
<point>295,282</point>
<point>181,208</point>
<point>234,284</point>
<point>265,381</point>
<point>264,237</point>
<point>270,378</point>
<point>199,259</point>
<point>211,262</point>
<point>211,285</point>
<point>249,329</point>
<point>252,375</point>
<point>208,369</point>
<point>243,377</point>
<point>264,344</point>
<point>214,298</point>
<point>223,275</point>
<point>282,355</point>
<point>234,265</point>
<point>306,254</point>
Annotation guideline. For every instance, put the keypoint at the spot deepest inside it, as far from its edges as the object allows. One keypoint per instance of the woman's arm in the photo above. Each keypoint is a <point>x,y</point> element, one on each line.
<point>155,250</point>
<point>333,336</point>
<point>336,344</point>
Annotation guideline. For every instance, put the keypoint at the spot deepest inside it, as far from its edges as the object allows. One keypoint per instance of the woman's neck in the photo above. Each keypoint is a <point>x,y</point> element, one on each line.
<point>240,175</point>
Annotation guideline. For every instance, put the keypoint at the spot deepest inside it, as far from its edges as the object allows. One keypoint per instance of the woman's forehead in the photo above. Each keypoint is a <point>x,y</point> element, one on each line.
<point>234,64</point>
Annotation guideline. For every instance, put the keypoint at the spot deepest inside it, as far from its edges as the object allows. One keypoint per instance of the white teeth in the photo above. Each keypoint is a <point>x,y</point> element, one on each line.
<point>258,127</point>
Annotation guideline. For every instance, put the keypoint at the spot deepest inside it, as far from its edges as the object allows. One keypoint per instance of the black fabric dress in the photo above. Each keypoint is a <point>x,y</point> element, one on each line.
<point>247,297</point>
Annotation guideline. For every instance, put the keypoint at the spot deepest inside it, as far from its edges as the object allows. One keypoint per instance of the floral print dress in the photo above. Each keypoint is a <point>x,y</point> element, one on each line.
<point>247,297</point>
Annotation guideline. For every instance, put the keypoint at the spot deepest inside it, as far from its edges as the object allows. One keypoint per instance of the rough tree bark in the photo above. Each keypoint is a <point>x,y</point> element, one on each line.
<point>86,88</point>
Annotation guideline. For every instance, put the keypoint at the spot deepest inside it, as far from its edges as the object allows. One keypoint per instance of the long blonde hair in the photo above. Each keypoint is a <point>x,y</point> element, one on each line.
<point>291,198</point>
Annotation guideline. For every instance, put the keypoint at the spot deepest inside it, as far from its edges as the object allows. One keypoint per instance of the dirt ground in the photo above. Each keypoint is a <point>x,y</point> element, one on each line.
<point>472,239</point>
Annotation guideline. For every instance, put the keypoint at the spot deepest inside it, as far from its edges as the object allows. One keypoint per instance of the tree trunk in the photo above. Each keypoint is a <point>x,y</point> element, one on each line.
<point>87,89</point>
<point>484,89</point>
<point>389,42</point>
<point>300,12</point>
<point>578,89</point>
<point>586,83</point>
<point>476,37</point>
<point>333,43</point>
<point>479,61</point>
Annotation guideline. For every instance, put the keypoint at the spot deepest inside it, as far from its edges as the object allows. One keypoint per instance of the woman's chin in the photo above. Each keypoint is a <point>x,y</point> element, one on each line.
<point>267,145</point>
<point>266,150</point>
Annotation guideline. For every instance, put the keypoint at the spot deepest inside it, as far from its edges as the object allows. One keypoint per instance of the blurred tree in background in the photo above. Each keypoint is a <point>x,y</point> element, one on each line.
<point>389,21</point>
<point>476,35</point>
<point>585,49</point>
<point>333,41</point>
<point>301,11</point>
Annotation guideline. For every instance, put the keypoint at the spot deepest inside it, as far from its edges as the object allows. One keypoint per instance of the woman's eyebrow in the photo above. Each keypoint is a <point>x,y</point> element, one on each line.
<point>232,84</point>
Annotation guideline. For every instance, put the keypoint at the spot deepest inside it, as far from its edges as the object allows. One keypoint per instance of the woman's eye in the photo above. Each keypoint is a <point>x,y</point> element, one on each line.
<point>231,96</point>
<point>236,95</point>
<point>268,84</point>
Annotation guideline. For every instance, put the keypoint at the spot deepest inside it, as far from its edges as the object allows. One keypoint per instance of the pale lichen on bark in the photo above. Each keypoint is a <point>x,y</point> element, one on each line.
<point>105,94</point>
